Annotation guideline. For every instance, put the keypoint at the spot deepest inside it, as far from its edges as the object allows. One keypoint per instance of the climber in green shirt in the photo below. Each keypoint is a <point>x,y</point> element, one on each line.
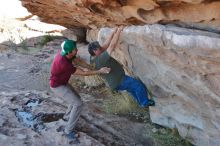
<point>117,79</point>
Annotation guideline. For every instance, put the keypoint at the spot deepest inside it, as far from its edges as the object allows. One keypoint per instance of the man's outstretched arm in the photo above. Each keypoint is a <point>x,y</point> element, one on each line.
<point>108,40</point>
<point>114,40</point>
<point>103,70</point>
<point>79,62</point>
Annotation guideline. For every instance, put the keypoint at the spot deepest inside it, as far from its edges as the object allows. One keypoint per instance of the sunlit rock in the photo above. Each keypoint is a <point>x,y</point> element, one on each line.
<point>99,13</point>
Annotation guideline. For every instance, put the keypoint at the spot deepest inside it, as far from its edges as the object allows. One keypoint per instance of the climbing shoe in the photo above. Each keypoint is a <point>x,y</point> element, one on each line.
<point>150,103</point>
<point>72,137</point>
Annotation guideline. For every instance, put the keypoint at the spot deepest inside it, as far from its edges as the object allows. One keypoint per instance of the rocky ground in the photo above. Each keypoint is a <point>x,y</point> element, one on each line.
<point>31,115</point>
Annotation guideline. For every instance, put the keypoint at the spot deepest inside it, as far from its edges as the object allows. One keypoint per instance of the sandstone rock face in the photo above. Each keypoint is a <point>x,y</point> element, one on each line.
<point>203,14</point>
<point>182,69</point>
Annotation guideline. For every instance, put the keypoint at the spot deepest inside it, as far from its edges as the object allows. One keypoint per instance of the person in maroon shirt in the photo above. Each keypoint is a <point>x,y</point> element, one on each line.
<point>61,70</point>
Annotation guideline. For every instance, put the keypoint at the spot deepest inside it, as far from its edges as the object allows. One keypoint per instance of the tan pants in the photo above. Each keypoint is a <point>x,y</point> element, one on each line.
<point>68,94</point>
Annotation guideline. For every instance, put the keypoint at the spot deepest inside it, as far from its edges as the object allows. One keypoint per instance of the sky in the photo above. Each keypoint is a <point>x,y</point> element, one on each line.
<point>12,8</point>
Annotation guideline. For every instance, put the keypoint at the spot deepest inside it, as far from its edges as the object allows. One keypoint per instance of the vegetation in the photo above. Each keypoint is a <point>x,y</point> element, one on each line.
<point>47,38</point>
<point>169,137</point>
<point>123,105</point>
<point>24,45</point>
<point>119,103</point>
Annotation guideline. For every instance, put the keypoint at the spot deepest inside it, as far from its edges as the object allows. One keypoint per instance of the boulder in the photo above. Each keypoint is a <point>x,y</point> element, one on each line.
<point>181,68</point>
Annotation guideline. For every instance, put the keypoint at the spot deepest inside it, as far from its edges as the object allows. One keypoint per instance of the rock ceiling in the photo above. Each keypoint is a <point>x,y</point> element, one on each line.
<point>100,13</point>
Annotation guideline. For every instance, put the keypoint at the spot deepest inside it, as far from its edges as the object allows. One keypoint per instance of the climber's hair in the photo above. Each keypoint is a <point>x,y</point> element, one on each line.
<point>93,46</point>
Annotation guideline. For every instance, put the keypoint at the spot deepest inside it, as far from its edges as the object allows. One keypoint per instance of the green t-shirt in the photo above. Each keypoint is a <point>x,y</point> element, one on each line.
<point>117,72</point>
